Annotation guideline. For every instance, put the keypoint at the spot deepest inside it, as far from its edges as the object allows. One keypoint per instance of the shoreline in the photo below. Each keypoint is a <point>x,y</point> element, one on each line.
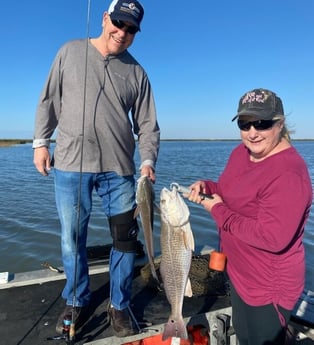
<point>11,142</point>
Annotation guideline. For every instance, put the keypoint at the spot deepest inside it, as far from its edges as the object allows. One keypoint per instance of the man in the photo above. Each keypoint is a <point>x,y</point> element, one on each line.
<point>91,90</point>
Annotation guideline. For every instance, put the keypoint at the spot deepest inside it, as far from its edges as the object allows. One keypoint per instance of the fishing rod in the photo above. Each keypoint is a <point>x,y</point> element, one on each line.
<point>69,320</point>
<point>70,340</point>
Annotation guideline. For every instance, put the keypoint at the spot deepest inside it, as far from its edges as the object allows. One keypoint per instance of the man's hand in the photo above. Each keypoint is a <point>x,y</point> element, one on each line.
<point>42,160</point>
<point>148,171</point>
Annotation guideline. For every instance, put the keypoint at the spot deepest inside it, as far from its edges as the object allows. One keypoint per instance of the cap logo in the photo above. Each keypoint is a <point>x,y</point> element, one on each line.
<point>253,97</point>
<point>130,8</point>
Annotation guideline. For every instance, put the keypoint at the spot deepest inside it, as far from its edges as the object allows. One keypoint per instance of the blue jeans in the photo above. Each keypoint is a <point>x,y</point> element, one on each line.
<point>118,196</point>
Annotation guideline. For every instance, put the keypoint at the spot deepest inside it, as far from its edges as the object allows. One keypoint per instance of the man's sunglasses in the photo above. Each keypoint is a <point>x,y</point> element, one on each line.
<point>131,29</point>
<point>260,125</point>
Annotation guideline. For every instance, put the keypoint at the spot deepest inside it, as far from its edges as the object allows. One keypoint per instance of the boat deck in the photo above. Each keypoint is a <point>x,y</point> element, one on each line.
<point>31,303</point>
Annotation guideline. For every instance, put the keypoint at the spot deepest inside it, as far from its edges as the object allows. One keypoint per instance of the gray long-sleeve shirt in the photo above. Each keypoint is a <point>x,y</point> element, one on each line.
<point>118,105</point>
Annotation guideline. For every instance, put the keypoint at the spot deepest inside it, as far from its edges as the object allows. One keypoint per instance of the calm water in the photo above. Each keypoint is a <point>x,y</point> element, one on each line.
<point>29,226</point>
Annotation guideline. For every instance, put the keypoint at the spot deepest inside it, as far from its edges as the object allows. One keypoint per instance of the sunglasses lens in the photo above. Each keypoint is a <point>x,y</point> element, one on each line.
<point>132,30</point>
<point>260,125</point>
<point>120,25</point>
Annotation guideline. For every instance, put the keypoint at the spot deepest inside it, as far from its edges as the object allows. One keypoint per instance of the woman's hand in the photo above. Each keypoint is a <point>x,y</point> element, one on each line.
<point>198,189</point>
<point>209,203</point>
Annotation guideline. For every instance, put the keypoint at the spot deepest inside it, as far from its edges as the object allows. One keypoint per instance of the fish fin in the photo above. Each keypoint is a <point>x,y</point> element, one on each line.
<point>188,237</point>
<point>188,289</point>
<point>153,270</point>
<point>137,211</point>
<point>175,328</point>
<point>157,281</point>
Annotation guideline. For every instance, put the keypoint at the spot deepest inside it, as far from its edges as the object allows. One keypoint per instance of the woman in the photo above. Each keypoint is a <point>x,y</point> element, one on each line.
<point>260,204</point>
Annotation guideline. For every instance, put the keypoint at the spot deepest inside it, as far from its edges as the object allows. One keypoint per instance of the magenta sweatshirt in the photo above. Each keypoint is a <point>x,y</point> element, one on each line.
<point>261,224</point>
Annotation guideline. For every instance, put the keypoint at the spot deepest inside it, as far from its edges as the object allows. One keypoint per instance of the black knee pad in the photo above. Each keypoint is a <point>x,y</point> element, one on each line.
<point>124,230</point>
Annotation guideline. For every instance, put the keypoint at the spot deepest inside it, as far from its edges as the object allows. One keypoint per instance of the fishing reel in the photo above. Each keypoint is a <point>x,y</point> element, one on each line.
<point>68,331</point>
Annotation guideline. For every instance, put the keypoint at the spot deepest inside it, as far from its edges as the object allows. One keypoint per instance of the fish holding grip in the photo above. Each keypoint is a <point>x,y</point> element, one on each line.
<point>186,190</point>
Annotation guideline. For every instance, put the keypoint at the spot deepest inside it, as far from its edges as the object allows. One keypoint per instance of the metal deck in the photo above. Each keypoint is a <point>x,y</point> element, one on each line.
<point>31,302</point>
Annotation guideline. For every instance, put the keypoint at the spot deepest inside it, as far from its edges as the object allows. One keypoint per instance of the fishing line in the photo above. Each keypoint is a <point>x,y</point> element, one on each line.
<point>72,328</point>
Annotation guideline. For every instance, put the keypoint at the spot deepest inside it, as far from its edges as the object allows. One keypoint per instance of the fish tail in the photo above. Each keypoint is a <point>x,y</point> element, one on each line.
<point>176,329</point>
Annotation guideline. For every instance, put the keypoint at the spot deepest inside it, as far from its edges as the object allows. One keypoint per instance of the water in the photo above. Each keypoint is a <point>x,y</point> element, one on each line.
<point>29,225</point>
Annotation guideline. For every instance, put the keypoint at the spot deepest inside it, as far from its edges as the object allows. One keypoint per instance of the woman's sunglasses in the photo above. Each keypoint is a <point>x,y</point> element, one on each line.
<point>131,29</point>
<point>259,125</point>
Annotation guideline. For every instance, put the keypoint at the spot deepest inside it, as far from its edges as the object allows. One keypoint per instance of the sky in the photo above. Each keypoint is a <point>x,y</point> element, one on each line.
<point>200,56</point>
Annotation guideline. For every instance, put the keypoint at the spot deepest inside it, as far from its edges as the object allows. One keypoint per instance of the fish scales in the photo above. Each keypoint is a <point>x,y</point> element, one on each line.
<point>174,269</point>
<point>177,244</point>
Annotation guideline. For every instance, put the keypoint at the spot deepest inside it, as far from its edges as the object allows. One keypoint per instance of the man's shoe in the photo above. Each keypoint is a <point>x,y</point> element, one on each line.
<point>78,317</point>
<point>121,322</point>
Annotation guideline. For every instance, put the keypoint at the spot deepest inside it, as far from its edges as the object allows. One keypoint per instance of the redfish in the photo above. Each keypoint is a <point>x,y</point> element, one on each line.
<point>177,245</point>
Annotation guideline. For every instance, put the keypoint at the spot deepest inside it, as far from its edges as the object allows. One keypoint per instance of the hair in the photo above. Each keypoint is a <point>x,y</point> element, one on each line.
<point>285,132</point>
